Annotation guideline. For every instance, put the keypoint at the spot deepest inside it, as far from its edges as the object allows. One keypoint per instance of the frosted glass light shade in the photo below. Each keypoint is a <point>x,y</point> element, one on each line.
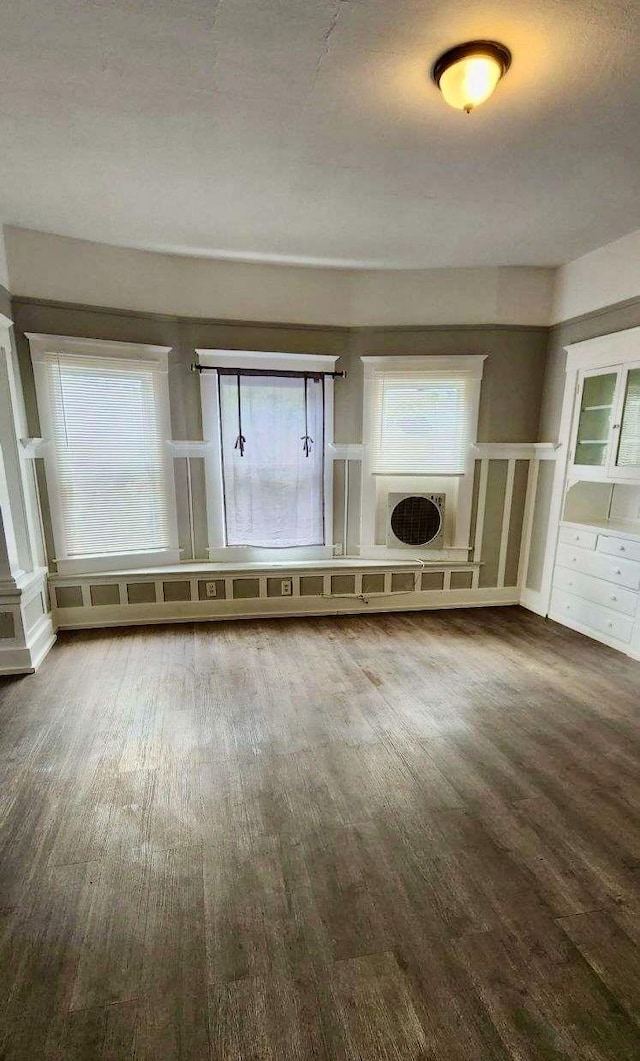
<point>468,75</point>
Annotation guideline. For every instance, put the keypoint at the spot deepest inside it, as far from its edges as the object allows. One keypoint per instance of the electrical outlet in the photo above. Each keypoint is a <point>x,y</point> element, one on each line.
<point>337,549</point>
<point>210,588</point>
<point>286,587</point>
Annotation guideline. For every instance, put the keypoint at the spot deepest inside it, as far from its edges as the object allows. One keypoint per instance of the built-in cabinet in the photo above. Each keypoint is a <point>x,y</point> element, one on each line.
<point>594,550</point>
<point>606,441</point>
<point>596,585</point>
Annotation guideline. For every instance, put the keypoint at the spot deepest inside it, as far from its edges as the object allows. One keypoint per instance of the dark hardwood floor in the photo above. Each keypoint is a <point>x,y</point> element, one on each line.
<point>390,837</point>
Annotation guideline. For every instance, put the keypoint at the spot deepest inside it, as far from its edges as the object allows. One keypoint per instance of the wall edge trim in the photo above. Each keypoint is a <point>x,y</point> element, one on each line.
<point>177,318</point>
<point>338,329</point>
<point>594,314</point>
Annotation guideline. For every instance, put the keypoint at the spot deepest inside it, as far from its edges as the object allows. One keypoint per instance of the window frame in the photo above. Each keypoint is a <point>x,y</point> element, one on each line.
<point>469,366</point>
<point>209,396</point>
<point>42,347</point>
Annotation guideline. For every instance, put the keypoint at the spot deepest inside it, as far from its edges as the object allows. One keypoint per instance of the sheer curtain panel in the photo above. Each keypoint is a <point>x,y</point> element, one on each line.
<point>272,432</point>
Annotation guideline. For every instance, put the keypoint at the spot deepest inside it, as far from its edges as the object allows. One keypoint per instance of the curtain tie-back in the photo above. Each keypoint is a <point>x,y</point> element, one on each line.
<point>306,439</point>
<point>240,440</point>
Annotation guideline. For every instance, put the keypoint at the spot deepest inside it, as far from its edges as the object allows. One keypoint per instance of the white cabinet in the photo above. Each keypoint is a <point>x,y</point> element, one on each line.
<point>621,572</point>
<point>593,435</point>
<point>595,619</point>
<point>606,433</point>
<point>627,548</point>
<point>596,585</point>
<point>574,536</point>
<point>591,572</point>
<point>597,590</point>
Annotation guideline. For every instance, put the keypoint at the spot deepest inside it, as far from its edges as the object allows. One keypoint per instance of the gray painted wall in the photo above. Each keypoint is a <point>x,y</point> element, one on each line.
<point>520,401</point>
<point>5,302</point>
<point>511,389</point>
<point>509,406</point>
<point>601,322</point>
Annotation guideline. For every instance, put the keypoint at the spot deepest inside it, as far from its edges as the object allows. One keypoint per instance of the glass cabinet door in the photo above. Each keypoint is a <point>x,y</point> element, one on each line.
<point>627,458</point>
<point>594,421</point>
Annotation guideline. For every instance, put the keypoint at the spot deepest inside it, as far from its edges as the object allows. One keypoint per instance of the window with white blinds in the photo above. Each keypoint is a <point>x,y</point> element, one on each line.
<point>106,463</point>
<point>421,422</point>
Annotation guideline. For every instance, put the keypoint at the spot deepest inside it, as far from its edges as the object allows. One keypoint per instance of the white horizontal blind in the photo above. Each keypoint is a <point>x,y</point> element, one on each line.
<point>421,423</point>
<point>109,463</point>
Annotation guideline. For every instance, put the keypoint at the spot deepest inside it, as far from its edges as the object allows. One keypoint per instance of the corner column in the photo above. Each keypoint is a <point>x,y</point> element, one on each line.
<point>26,625</point>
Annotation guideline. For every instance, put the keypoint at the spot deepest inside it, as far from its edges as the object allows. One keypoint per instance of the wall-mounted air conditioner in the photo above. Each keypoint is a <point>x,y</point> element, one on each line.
<point>415,520</point>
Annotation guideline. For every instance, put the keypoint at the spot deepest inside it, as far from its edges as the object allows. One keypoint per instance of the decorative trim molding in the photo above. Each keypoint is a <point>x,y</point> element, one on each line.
<point>516,450</point>
<point>33,636</point>
<point>41,348</point>
<point>390,329</point>
<point>594,314</point>
<point>278,607</point>
<point>370,330</point>
<point>346,451</point>
<point>177,318</point>
<point>616,348</point>
<point>186,448</point>
<point>467,364</point>
<point>273,359</point>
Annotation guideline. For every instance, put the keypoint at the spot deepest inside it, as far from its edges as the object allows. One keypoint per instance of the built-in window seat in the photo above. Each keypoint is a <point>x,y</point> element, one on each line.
<point>206,591</point>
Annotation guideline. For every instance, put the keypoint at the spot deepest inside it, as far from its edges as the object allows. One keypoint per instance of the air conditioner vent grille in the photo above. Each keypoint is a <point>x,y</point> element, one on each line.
<point>416,520</point>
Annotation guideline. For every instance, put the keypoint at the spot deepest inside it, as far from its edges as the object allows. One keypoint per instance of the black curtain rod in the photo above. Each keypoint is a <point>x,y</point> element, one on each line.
<point>266,372</point>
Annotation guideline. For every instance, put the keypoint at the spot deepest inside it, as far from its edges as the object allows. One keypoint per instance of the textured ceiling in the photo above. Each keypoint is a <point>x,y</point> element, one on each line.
<point>308,130</point>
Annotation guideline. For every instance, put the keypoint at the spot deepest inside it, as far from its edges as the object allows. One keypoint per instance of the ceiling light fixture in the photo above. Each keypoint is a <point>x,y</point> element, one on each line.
<point>468,74</point>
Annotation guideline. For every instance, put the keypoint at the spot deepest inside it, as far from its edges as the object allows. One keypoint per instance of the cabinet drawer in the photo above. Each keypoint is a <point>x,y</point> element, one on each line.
<point>624,547</point>
<point>622,572</point>
<point>585,539</point>
<point>597,590</point>
<point>600,620</point>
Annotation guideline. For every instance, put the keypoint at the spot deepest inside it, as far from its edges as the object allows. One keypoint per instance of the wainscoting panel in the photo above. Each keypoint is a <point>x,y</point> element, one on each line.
<point>141,597</point>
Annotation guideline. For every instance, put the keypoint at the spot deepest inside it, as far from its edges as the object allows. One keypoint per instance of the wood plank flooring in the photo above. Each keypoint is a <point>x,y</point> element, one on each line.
<point>379,838</point>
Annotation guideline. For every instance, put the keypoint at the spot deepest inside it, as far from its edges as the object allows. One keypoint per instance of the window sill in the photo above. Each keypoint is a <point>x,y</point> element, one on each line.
<point>117,564</point>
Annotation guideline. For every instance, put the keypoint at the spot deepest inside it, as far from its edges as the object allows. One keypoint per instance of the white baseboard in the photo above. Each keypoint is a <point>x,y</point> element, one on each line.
<point>41,639</point>
<point>83,618</point>
<point>26,658</point>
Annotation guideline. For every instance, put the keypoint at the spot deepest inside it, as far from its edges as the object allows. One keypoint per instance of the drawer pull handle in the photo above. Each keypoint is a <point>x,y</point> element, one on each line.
<point>623,549</point>
<point>613,597</point>
<point>609,623</point>
<point>574,559</point>
<point>617,571</point>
